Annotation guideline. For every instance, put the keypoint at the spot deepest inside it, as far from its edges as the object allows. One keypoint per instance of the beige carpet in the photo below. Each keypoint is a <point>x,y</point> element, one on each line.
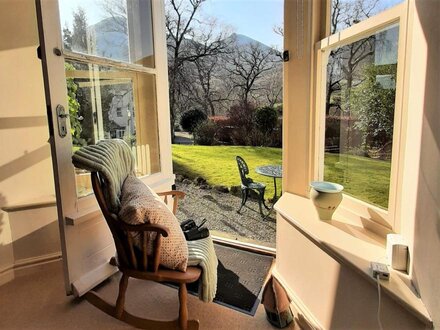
<point>36,300</point>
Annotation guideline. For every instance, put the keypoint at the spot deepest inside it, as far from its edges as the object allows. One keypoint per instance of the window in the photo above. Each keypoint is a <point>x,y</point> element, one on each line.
<point>345,13</point>
<point>116,30</point>
<point>118,112</point>
<point>360,101</point>
<point>105,90</point>
<point>360,104</point>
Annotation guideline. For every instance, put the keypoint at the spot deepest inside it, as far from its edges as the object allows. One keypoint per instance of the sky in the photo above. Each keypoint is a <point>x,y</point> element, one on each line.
<point>254,18</point>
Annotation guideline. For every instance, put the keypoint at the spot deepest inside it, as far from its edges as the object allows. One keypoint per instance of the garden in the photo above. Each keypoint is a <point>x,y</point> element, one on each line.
<point>361,176</point>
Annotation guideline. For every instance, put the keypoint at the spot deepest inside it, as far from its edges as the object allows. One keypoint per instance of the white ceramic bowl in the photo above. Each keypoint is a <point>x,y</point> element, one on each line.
<point>327,187</point>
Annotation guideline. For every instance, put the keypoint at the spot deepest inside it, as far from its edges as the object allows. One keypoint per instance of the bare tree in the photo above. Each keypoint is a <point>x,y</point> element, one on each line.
<point>117,10</point>
<point>278,29</point>
<point>189,39</point>
<point>344,61</point>
<point>272,86</point>
<point>247,64</point>
<point>79,35</point>
<point>207,87</point>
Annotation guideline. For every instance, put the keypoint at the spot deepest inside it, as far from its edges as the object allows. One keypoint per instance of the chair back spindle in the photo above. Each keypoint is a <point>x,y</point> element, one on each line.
<point>244,171</point>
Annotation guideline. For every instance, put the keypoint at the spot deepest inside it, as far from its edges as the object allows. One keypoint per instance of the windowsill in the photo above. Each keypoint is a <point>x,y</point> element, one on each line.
<point>352,245</point>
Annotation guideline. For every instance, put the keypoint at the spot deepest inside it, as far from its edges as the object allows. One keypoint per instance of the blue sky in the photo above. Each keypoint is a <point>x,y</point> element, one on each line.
<point>254,18</point>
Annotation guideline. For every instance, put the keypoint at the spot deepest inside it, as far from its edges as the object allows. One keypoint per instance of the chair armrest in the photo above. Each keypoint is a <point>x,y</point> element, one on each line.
<point>174,193</point>
<point>160,229</point>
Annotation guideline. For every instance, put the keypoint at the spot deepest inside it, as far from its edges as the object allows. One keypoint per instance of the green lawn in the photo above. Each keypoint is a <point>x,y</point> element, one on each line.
<point>365,178</point>
<point>362,177</point>
<point>218,166</point>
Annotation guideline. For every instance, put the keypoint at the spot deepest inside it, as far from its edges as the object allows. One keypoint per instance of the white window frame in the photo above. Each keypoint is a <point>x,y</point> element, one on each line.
<point>385,220</point>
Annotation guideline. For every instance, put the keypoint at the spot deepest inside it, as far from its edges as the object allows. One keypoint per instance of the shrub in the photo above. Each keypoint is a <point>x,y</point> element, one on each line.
<point>224,129</point>
<point>205,133</point>
<point>241,115</point>
<point>276,137</point>
<point>239,137</point>
<point>266,119</point>
<point>191,119</point>
<point>256,138</point>
<point>224,134</point>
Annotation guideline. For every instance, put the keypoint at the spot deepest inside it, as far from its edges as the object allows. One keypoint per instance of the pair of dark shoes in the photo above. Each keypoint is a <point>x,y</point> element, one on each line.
<point>193,232</point>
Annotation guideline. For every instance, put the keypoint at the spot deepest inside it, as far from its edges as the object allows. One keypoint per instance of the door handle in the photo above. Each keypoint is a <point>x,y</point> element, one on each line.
<point>61,116</point>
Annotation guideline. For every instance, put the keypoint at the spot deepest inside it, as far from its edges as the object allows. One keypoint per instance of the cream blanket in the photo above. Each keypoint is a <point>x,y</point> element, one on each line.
<point>201,253</point>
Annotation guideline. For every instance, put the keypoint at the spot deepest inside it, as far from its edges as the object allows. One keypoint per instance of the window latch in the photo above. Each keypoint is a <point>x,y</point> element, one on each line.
<point>286,56</point>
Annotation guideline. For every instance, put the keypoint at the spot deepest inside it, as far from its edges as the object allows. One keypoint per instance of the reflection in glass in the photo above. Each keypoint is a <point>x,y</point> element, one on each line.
<point>116,29</point>
<point>105,103</point>
<point>360,100</point>
<point>345,13</point>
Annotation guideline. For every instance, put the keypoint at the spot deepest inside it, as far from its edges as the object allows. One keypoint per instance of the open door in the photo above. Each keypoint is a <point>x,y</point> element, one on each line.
<point>102,80</point>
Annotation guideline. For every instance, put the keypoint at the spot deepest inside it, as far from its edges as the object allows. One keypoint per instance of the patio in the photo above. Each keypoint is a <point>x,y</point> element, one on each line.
<point>220,209</point>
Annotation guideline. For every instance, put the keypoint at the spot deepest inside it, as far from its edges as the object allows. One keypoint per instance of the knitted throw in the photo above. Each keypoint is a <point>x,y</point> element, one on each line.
<point>113,160</point>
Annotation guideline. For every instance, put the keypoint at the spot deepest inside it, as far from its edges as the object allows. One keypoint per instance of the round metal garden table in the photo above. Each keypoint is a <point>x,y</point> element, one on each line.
<point>273,171</point>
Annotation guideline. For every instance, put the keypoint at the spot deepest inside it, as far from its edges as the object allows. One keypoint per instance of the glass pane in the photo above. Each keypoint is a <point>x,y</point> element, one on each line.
<point>105,103</point>
<point>120,30</point>
<point>345,13</point>
<point>360,99</point>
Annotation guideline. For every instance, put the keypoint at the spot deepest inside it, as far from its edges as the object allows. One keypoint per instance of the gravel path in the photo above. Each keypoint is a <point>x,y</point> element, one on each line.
<point>220,209</point>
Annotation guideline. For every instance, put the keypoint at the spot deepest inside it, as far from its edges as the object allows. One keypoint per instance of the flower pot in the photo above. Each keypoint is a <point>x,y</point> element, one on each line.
<point>326,197</point>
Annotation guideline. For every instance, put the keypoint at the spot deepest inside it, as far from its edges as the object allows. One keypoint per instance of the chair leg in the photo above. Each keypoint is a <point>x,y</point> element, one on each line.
<point>120,302</point>
<point>243,199</point>
<point>183,310</point>
<point>261,201</point>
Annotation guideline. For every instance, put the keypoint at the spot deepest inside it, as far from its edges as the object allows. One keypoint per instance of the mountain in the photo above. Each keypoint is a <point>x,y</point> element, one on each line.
<point>110,39</point>
<point>242,40</point>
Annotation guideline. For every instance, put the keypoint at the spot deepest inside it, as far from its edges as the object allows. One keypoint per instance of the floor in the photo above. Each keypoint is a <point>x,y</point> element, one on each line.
<point>35,299</point>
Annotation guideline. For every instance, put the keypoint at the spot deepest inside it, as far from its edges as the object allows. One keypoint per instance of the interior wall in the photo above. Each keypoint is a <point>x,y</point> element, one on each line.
<point>426,99</point>
<point>25,162</point>
<point>336,296</point>
<point>333,293</point>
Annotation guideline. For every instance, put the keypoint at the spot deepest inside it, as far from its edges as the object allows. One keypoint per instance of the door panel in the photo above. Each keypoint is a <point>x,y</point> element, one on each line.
<point>55,92</point>
<point>114,92</point>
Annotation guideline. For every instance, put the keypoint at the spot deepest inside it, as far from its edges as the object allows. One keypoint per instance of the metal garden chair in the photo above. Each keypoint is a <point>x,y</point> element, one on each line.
<point>247,184</point>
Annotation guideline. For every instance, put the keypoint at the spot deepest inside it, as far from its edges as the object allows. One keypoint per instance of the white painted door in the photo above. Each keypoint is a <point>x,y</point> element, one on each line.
<point>103,80</point>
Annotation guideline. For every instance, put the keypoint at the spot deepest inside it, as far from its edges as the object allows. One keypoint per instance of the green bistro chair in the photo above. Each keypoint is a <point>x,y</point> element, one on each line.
<point>247,184</point>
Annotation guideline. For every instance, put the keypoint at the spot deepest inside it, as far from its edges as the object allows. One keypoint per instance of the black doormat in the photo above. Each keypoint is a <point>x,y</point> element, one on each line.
<point>241,276</point>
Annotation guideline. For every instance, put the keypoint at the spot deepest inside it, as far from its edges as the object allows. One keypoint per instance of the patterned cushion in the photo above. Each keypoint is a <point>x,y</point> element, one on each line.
<point>140,204</point>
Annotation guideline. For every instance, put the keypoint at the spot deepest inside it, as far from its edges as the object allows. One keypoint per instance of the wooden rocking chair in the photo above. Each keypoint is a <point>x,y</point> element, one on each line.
<point>135,263</point>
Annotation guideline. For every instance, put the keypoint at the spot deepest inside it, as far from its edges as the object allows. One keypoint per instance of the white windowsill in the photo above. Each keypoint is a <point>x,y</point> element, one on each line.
<point>352,245</point>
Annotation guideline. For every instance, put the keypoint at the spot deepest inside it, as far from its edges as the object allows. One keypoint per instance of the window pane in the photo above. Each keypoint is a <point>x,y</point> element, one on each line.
<point>116,29</point>
<point>345,13</point>
<point>360,99</point>
<point>105,103</point>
